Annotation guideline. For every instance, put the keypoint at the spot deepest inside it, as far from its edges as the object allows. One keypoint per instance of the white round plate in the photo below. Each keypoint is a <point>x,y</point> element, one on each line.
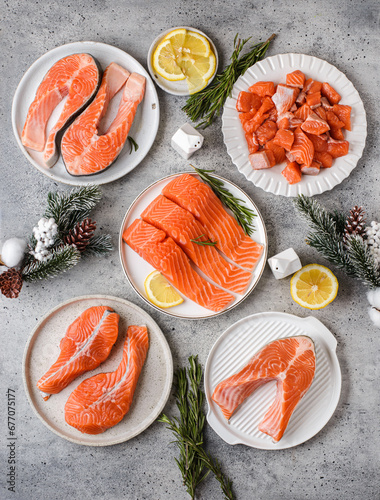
<point>232,351</point>
<point>179,87</point>
<point>153,387</point>
<point>143,130</point>
<point>136,269</point>
<point>275,69</point>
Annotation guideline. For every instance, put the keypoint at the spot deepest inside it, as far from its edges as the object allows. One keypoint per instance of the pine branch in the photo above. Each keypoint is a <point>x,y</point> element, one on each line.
<point>364,264</point>
<point>62,260</point>
<point>99,245</point>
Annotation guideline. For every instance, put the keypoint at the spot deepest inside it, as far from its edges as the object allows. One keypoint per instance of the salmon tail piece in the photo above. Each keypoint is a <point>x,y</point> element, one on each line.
<point>102,401</point>
<point>87,343</point>
<point>289,361</point>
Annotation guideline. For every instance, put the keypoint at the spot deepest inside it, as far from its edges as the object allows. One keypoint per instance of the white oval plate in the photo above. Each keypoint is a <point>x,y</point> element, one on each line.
<point>143,130</point>
<point>275,69</point>
<point>153,388</point>
<point>179,87</point>
<point>232,351</point>
<point>136,269</point>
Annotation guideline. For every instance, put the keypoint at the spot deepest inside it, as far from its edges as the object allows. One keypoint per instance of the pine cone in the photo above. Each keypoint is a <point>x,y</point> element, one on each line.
<point>355,224</point>
<point>11,283</point>
<point>81,234</point>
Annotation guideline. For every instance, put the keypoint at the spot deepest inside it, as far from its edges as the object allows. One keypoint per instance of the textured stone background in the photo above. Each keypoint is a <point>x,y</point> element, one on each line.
<point>342,461</point>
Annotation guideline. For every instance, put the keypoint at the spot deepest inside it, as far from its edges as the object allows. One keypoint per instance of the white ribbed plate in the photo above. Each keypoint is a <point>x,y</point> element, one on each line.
<point>275,69</point>
<point>232,351</point>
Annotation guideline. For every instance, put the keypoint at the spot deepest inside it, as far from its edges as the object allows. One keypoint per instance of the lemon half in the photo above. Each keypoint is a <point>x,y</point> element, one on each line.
<point>160,292</point>
<point>314,286</point>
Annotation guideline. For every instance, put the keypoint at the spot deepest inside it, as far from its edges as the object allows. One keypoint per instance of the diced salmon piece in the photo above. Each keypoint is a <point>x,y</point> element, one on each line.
<point>259,160</point>
<point>303,112</point>
<point>278,151</point>
<point>313,169</point>
<point>266,132</point>
<point>315,125</point>
<point>283,121</point>
<point>252,142</point>
<point>254,124</point>
<point>294,122</point>
<point>313,99</point>
<point>321,112</point>
<point>302,149</point>
<point>262,89</point>
<point>301,98</point>
<point>333,120</point>
<point>292,172</point>
<point>337,148</point>
<point>285,97</point>
<point>247,101</point>
<point>319,142</point>
<point>284,139</point>
<point>312,86</point>
<point>337,133</point>
<point>325,103</point>
<point>289,157</point>
<point>295,79</point>
<point>324,158</point>
<point>343,112</point>
<point>245,117</point>
<point>331,94</point>
<point>271,157</point>
<point>272,114</point>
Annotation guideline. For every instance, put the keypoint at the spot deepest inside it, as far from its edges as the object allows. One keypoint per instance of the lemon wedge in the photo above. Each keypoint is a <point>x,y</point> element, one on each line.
<point>177,40</point>
<point>160,292</point>
<point>165,63</point>
<point>198,70</point>
<point>314,286</point>
<point>196,44</point>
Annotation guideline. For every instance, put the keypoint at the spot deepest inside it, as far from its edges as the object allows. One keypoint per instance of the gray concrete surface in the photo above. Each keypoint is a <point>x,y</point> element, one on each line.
<point>342,461</point>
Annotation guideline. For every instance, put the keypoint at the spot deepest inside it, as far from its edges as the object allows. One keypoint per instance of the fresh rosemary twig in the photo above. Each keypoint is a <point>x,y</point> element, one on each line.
<point>243,214</point>
<point>132,145</point>
<point>201,242</point>
<point>194,462</point>
<point>209,102</point>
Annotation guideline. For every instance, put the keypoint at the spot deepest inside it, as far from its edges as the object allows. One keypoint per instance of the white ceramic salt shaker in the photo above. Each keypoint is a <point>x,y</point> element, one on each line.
<point>285,263</point>
<point>187,140</point>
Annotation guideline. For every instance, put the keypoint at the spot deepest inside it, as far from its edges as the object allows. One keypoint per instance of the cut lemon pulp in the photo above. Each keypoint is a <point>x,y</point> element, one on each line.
<point>160,292</point>
<point>314,286</point>
<point>165,63</point>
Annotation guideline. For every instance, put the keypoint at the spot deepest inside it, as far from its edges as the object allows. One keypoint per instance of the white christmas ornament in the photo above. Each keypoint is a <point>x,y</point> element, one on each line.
<point>187,140</point>
<point>13,251</point>
<point>44,233</point>
<point>373,297</point>
<point>373,240</point>
<point>285,263</point>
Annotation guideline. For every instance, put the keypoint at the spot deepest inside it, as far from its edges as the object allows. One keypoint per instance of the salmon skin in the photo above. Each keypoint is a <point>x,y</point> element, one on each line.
<point>183,227</point>
<point>84,150</point>
<point>200,200</point>
<point>87,343</point>
<point>76,76</point>
<point>289,361</point>
<point>102,401</point>
<point>161,251</point>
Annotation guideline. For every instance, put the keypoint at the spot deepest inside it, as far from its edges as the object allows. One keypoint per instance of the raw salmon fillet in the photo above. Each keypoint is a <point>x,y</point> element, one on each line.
<point>289,361</point>
<point>166,256</point>
<point>102,401</point>
<point>183,227</point>
<point>87,343</point>
<point>77,77</point>
<point>199,199</point>
<point>84,150</point>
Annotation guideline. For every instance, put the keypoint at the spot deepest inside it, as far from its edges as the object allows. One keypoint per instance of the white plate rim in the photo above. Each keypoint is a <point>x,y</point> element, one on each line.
<point>262,262</point>
<point>223,430</point>
<point>309,185</point>
<point>73,47</point>
<point>168,359</point>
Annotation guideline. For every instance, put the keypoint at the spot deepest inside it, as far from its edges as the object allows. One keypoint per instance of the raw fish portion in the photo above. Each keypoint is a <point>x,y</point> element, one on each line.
<point>102,401</point>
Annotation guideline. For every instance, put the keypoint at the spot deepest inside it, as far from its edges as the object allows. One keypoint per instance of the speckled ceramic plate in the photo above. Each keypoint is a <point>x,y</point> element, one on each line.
<point>136,269</point>
<point>232,351</point>
<point>275,69</point>
<point>179,87</point>
<point>143,130</point>
<point>152,390</point>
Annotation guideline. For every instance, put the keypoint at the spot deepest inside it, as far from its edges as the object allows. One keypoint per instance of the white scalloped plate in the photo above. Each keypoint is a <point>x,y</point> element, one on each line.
<point>275,69</point>
<point>232,351</point>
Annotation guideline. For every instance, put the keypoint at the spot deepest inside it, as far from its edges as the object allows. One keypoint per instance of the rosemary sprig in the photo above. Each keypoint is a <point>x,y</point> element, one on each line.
<point>209,102</point>
<point>132,145</point>
<point>243,214</point>
<point>194,462</point>
<point>201,242</point>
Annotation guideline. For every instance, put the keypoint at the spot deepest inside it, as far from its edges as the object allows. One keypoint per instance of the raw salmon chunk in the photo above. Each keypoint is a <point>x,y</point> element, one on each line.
<point>284,138</point>
<point>315,125</point>
<point>102,401</point>
<point>337,148</point>
<point>262,89</point>
<point>252,142</point>
<point>259,160</point>
<point>292,172</point>
<point>277,151</point>
<point>266,132</point>
<point>343,112</point>
<point>87,343</point>
<point>313,100</point>
<point>312,86</point>
<point>295,79</point>
<point>289,361</point>
<point>331,94</point>
<point>247,101</point>
<point>284,98</point>
<point>313,169</point>
<point>302,149</point>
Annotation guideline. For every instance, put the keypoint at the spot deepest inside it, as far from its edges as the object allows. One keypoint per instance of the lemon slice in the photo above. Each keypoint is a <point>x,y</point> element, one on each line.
<point>198,70</point>
<point>160,292</point>
<point>177,40</point>
<point>196,44</point>
<point>164,62</point>
<point>314,286</point>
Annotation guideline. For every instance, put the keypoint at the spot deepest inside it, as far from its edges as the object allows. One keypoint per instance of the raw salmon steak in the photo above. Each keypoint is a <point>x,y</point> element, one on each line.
<point>200,200</point>
<point>161,252</point>
<point>84,150</point>
<point>76,77</point>
<point>289,361</point>
<point>87,343</point>
<point>183,227</point>
<point>102,401</point>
